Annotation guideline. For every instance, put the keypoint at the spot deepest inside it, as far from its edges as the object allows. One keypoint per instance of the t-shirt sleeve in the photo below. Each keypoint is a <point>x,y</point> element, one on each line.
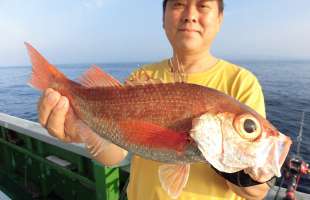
<point>248,90</point>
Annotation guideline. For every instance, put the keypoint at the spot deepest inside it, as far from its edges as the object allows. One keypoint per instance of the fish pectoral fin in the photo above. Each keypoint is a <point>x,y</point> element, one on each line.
<point>96,77</point>
<point>173,178</point>
<point>152,135</point>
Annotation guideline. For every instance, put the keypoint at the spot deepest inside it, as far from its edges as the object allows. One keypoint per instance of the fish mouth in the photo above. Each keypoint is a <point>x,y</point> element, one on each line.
<point>283,145</point>
<point>277,152</point>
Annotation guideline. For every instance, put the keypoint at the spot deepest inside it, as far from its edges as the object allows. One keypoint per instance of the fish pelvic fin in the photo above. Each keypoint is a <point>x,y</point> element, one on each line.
<point>43,73</point>
<point>96,77</point>
<point>173,178</point>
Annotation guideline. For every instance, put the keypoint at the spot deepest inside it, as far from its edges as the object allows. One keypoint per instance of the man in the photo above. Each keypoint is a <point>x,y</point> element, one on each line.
<point>190,26</point>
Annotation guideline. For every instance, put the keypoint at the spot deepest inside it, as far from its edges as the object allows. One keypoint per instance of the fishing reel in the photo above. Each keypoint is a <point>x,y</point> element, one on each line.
<point>295,168</point>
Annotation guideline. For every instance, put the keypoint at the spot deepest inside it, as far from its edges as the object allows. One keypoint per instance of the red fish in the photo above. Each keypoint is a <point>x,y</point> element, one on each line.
<point>174,123</point>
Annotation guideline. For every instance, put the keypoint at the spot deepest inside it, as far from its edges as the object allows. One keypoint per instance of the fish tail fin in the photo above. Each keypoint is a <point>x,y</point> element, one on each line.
<point>43,73</point>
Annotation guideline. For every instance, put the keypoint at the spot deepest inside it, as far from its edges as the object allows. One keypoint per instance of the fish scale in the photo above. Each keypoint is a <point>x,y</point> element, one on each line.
<point>158,111</point>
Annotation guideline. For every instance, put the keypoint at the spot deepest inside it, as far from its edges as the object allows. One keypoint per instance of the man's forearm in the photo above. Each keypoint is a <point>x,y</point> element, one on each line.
<point>111,155</point>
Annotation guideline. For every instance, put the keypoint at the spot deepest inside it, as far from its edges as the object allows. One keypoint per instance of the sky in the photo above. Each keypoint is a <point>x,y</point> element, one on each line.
<point>103,31</point>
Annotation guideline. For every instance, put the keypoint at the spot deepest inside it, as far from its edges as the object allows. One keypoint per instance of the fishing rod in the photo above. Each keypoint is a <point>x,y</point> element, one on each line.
<point>299,137</point>
<point>295,167</point>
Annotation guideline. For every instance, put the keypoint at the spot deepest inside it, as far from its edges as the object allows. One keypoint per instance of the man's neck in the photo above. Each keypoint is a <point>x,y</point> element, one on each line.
<point>193,63</point>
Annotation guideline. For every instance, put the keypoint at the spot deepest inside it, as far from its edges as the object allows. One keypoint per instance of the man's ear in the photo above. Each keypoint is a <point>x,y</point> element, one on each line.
<point>221,18</point>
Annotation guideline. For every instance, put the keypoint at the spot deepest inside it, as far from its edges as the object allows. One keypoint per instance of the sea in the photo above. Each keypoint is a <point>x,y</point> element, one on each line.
<point>286,86</point>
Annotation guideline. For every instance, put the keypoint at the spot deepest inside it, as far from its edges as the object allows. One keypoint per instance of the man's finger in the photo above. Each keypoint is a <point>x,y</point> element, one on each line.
<point>56,120</point>
<point>72,125</point>
<point>45,105</point>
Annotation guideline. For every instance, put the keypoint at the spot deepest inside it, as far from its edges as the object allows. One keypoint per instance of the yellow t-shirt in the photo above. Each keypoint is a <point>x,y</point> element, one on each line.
<point>203,182</point>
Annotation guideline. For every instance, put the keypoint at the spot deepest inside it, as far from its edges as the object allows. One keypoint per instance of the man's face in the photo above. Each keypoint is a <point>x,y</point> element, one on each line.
<point>191,25</point>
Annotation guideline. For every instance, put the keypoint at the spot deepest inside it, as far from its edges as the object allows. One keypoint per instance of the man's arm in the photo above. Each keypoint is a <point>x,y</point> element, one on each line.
<point>103,151</point>
<point>253,192</point>
<point>243,185</point>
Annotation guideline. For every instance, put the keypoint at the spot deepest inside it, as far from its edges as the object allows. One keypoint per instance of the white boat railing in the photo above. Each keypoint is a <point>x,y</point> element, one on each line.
<point>4,196</point>
<point>35,130</point>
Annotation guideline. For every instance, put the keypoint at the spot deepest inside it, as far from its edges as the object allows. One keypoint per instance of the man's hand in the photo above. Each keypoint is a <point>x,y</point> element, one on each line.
<point>251,193</point>
<point>57,117</point>
<point>54,116</point>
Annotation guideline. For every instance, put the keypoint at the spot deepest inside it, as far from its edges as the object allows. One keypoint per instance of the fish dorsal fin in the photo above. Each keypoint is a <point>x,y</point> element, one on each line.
<point>142,78</point>
<point>173,178</point>
<point>96,77</point>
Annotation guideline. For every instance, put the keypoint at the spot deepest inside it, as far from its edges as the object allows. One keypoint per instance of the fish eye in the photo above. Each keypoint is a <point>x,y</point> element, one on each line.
<point>247,126</point>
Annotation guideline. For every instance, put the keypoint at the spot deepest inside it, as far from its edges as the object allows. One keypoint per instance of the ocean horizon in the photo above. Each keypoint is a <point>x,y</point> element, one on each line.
<point>285,86</point>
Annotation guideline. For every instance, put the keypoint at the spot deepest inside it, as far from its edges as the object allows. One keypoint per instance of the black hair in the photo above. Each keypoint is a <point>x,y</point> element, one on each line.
<point>220,5</point>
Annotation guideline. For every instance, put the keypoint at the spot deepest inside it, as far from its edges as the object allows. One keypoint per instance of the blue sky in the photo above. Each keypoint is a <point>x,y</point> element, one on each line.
<point>96,31</point>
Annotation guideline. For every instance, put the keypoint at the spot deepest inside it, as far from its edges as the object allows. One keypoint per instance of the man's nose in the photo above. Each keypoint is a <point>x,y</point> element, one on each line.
<point>190,15</point>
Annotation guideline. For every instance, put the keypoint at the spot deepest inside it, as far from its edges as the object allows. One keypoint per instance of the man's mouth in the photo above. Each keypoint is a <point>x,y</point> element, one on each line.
<point>188,30</point>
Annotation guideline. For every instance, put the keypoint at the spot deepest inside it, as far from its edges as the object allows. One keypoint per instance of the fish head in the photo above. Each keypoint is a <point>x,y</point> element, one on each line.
<point>232,142</point>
